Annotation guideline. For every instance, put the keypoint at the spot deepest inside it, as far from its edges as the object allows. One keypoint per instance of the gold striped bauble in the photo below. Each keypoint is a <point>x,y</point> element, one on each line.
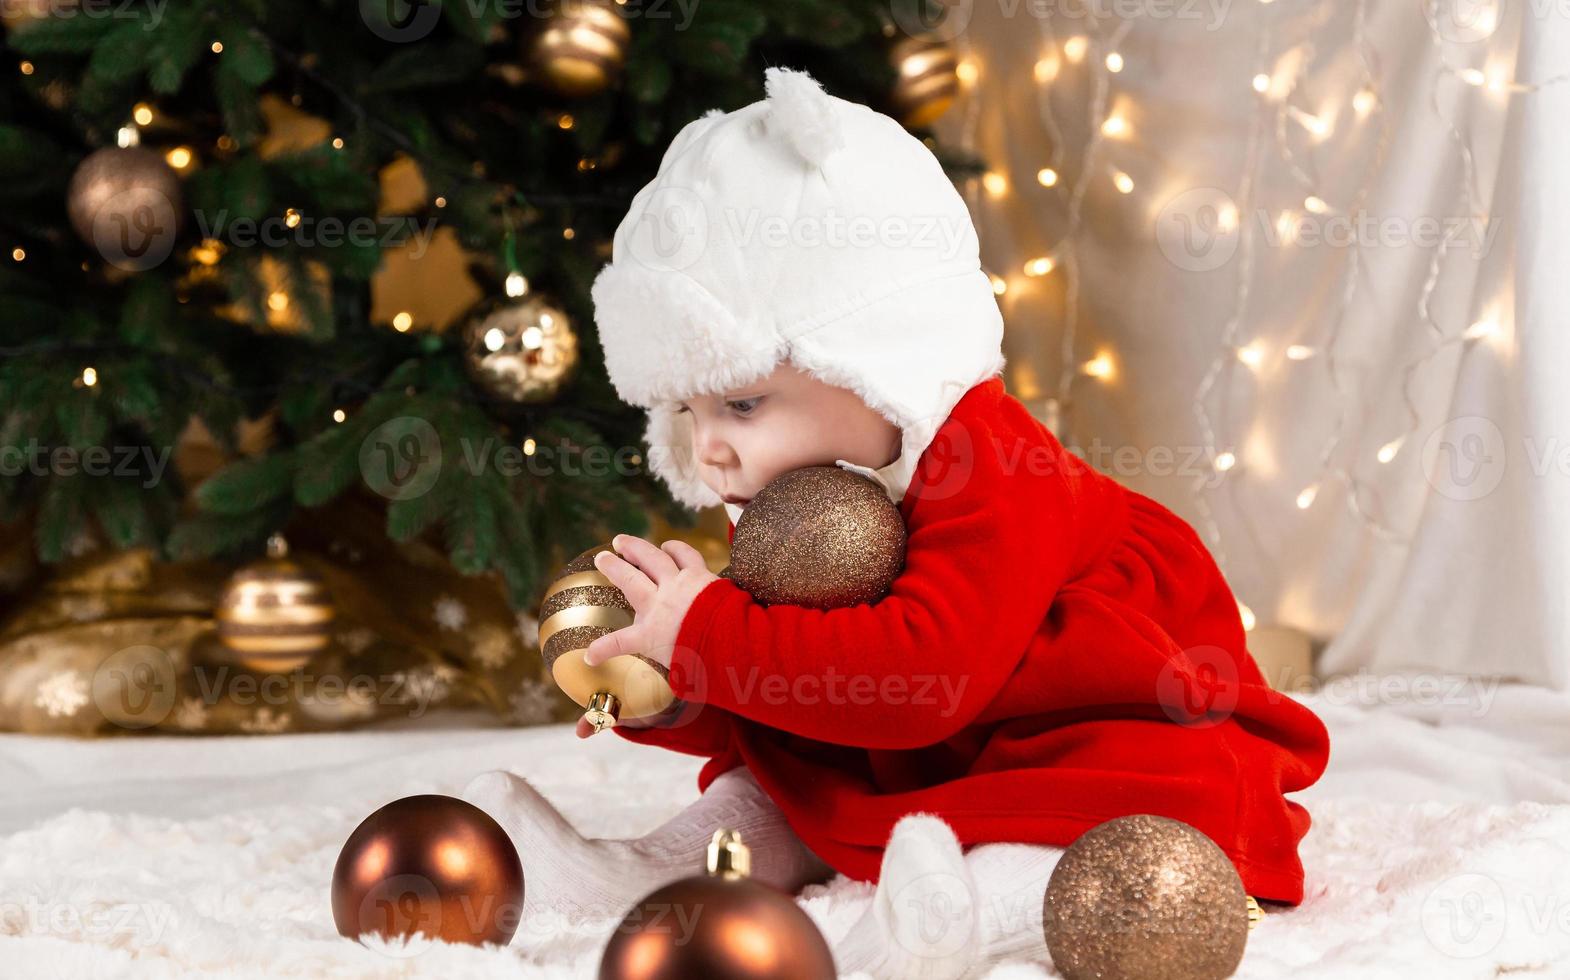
<point>581,48</point>
<point>274,614</point>
<point>580,606</point>
<point>927,80</point>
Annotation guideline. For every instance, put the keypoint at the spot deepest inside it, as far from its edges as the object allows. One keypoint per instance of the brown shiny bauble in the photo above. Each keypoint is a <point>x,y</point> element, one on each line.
<point>579,607</point>
<point>926,79</point>
<point>1145,898</point>
<point>818,536</point>
<point>432,866</point>
<point>718,926</point>
<point>581,48</point>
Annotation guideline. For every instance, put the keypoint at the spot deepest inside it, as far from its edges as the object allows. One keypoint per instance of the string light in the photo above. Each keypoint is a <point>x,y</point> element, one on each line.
<point>1040,266</point>
<point>1315,204</point>
<point>1100,367</point>
<point>1074,49</point>
<point>1047,177</point>
<point>1388,451</point>
<point>1244,613</point>
<point>291,218</point>
<point>1114,62</point>
<point>440,202</point>
<point>516,284</point>
<point>18,254</point>
<point>402,321</point>
<point>565,120</point>
<point>1122,181</point>
<point>1364,101</point>
<point>278,301</point>
<point>995,183</point>
<point>967,71</point>
<point>339,415</point>
<point>89,377</point>
<point>25,67</point>
<point>1224,462</point>
<point>1251,355</point>
<point>1305,497</point>
<point>529,446</point>
<point>142,114</point>
<point>1046,69</point>
<point>1299,352</point>
<point>1114,126</point>
<point>999,284</point>
<point>337,142</point>
<point>1261,83</point>
<point>218,47</point>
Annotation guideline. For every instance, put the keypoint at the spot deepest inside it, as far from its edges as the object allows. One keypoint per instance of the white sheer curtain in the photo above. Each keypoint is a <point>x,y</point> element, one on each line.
<point>1325,243</point>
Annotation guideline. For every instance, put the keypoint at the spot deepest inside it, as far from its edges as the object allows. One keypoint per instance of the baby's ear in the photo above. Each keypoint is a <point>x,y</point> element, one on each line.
<point>803,114</point>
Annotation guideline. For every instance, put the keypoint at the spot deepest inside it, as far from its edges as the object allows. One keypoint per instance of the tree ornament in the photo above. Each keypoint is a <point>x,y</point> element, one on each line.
<point>818,536</point>
<point>1146,898</point>
<point>721,926</point>
<point>520,350</point>
<point>433,866</point>
<point>579,607</point>
<point>581,48</point>
<point>275,615</point>
<point>927,81</point>
<point>128,204</point>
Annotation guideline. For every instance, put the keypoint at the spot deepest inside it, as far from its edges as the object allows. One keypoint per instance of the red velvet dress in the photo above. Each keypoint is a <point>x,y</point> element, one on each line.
<point>1058,651</point>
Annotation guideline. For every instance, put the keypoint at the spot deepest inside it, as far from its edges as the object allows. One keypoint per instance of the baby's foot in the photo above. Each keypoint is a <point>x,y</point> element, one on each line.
<point>570,884</point>
<point>922,924</point>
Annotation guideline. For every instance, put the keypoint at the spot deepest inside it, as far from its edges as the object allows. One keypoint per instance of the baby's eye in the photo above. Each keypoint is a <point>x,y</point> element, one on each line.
<point>682,408</point>
<point>744,406</point>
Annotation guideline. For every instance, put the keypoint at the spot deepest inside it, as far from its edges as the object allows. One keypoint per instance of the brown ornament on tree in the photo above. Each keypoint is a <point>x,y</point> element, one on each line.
<point>127,203</point>
<point>1146,898</point>
<point>581,48</point>
<point>818,536</point>
<point>720,926</point>
<point>275,615</point>
<point>927,81</point>
<point>432,866</point>
<point>520,350</point>
<point>579,607</point>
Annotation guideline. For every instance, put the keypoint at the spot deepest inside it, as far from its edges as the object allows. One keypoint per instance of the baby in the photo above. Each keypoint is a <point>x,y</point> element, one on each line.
<point>800,285</point>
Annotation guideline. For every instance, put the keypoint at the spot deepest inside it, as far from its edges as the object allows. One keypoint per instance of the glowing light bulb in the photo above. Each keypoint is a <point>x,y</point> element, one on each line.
<point>1299,352</point>
<point>1074,48</point>
<point>1480,329</point>
<point>517,285</point>
<point>1047,69</point>
<point>278,300</point>
<point>999,284</point>
<point>1315,205</point>
<point>143,114</point>
<point>1261,83</point>
<point>1224,461</point>
<point>89,376</point>
<point>1100,366</point>
<point>179,158</point>
<point>337,142</point>
<point>18,254</point>
<point>1046,177</point>
<point>1114,126</point>
<point>1305,498</point>
<point>291,218</point>
<point>403,321</point>
<point>494,339</point>
<point>1245,613</point>
<point>339,415</point>
<point>1114,62</point>
<point>1123,182</point>
<point>1472,76</point>
<point>995,183</point>
<point>1364,101</point>
<point>967,71</point>
<point>529,446</point>
<point>1388,451</point>
<point>1226,217</point>
<point>127,136</point>
<point>1250,354</point>
<point>1040,266</point>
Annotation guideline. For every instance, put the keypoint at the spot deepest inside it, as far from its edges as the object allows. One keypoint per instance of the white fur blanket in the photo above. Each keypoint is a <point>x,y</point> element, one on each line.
<point>1440,846</point>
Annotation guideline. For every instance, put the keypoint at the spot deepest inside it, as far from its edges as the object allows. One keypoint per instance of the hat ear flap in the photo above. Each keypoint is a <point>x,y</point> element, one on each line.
<point>803,114</point>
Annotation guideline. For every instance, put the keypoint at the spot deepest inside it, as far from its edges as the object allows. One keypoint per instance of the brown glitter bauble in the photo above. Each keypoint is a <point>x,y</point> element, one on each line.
<point>1145,898</point>
<point>580,606</point>
<point>927,79</point>
<point>275,615</point>
<point>127,203</point>
<point>818,536</point>
<point>581,48</point>
<point>520,351</point>
<point>430,865</point>
<point>721,926</point>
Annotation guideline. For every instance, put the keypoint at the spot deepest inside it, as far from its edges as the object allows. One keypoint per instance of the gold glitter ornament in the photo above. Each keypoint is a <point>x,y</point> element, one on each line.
<point>818,536</point>
<point>580,607</point>
<point>581,47</point>
<point>927,79</point>
<point>275,615</point>
<point>521,350</point>
<point>1145,897</point>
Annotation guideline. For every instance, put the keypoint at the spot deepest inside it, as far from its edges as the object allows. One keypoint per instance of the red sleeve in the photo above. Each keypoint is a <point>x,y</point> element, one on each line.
<point>699,730</point>
<point>982,565</point>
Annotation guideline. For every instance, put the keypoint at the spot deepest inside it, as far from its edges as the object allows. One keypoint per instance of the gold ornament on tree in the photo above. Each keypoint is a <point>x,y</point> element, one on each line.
<point>275,615</point>
<point>818,536</point>
<point>521,350</point>
<point>927,80</point>
<point>581,48</point>
<point>720,924</point>
<point>1145,897</point>
<point>127,203</point>
<point>579,607</point>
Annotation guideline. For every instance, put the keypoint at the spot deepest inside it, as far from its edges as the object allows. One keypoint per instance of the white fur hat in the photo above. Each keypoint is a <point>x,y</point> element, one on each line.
<point>801,227</point>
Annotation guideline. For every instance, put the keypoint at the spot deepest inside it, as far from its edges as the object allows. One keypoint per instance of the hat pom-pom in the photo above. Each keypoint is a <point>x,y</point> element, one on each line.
<point>804,113</point>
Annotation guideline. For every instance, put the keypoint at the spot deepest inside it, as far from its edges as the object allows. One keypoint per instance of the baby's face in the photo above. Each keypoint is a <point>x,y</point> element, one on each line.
<point>744,438</point>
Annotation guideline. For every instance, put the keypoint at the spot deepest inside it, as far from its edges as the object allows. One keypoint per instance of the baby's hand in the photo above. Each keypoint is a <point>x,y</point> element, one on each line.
<point>660,583</point>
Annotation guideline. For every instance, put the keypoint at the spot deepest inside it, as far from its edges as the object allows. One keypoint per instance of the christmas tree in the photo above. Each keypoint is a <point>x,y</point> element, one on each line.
<point>231,212</point>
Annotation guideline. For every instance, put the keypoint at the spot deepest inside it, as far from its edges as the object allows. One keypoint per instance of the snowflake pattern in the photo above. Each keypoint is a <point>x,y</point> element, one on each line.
<point>450,613</point>
<point>265,722</point>
<point>528,630</point>
<point>492,648</point>
<point>426,685</point>
<point>532,703</point>
<point>191,715</point>
<point>62,694</point>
